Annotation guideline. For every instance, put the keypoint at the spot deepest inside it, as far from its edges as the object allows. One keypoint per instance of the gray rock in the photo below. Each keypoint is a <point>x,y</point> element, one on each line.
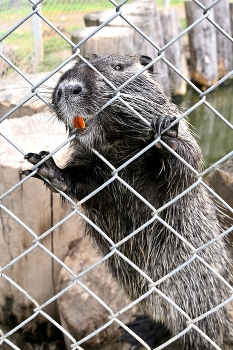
<point>221,180</point>
<point>15,88</point>
<point>80,313</point>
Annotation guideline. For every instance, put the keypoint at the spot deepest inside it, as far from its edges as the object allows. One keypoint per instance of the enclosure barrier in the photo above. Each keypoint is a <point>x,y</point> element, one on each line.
<point>113,246</point>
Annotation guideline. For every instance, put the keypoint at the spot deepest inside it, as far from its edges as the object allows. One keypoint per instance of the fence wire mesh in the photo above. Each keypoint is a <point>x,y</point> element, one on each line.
<point>114,247</point>
<point>31,36</point>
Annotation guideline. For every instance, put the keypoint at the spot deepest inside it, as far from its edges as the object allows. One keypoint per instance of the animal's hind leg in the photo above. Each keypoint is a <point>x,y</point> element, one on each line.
<point>148,330</point>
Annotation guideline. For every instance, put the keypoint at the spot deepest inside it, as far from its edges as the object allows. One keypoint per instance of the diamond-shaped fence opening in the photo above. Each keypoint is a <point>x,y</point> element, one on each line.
<point>24,44</point>
<point>152,219</point>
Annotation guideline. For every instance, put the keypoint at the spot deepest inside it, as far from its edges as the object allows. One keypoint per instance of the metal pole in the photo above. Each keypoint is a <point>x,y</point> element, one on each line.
<point>166,3</point>
<point>38,40</point>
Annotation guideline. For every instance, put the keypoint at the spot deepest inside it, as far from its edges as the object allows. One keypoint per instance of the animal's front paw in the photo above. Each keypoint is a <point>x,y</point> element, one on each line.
<point>170,136</point>
<point>148,330</point>
<point>48,170</point>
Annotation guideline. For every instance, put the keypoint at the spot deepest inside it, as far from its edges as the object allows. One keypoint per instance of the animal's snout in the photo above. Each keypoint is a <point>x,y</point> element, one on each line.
<point>68,90</point>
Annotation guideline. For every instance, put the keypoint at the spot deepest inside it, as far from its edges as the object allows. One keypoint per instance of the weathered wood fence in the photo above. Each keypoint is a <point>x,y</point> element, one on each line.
<point>206,58</point>
<point>210,50</point>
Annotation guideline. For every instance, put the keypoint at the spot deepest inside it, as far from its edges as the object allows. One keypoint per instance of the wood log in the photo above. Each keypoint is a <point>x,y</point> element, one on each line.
<point>155,33</point>
<point>142,8</point>
<point>224,45</point>
<point>231,17</point>
<point>37,272</point>
<point>13,90</point>
<point>175,54</point>
<point>145,15</point>
<point>140,14</point>
<point>34,205</point>
<point>203,47</point>
<point>109,40</point>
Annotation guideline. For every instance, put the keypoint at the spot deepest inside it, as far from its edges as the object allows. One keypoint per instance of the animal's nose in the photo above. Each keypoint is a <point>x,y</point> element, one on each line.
<point>68,90</point>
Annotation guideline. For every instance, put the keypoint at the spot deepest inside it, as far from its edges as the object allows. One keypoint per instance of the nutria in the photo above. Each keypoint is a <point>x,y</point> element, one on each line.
<point>117,133</point>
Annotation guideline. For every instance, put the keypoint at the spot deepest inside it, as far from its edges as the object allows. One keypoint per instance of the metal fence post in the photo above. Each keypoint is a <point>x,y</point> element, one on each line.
<point>38,40</point>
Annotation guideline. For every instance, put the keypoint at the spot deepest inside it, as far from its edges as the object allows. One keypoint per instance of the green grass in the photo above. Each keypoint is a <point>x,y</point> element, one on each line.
<point>60,6</point>
<point>50,62</point>
<point>18,36</point>
<point>172,3</point>
<point>21,40</point>
<point>47,8</point>
<point>57,43</point>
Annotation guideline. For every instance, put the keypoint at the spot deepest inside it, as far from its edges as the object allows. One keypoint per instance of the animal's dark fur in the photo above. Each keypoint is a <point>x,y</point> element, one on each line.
<point>117,134</point>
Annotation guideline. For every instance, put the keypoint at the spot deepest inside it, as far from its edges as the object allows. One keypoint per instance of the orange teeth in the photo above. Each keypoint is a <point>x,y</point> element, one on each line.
<point>79,122</point>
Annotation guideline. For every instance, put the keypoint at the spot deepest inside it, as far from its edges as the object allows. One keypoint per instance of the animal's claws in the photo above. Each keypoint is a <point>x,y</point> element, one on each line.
<point>170,136</point>
<point>47,170</point>
<point>148,330</point>
<point>33,158</point>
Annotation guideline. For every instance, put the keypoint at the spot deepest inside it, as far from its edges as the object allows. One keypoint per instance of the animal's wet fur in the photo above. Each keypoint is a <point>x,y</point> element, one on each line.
<point>158,176</point>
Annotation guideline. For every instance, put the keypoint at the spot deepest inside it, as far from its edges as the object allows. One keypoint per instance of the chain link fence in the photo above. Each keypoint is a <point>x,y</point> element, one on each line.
<point>36,41</point>
<point>114,247</point>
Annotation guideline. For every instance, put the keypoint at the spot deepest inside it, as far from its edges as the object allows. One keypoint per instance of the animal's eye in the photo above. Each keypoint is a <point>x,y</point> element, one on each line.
<point>118,67</point>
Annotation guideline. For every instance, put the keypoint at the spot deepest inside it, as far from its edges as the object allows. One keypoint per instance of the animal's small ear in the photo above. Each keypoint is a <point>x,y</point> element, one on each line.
<point>93,56</point>
<point>145,60</point>
<point>77,61</point>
